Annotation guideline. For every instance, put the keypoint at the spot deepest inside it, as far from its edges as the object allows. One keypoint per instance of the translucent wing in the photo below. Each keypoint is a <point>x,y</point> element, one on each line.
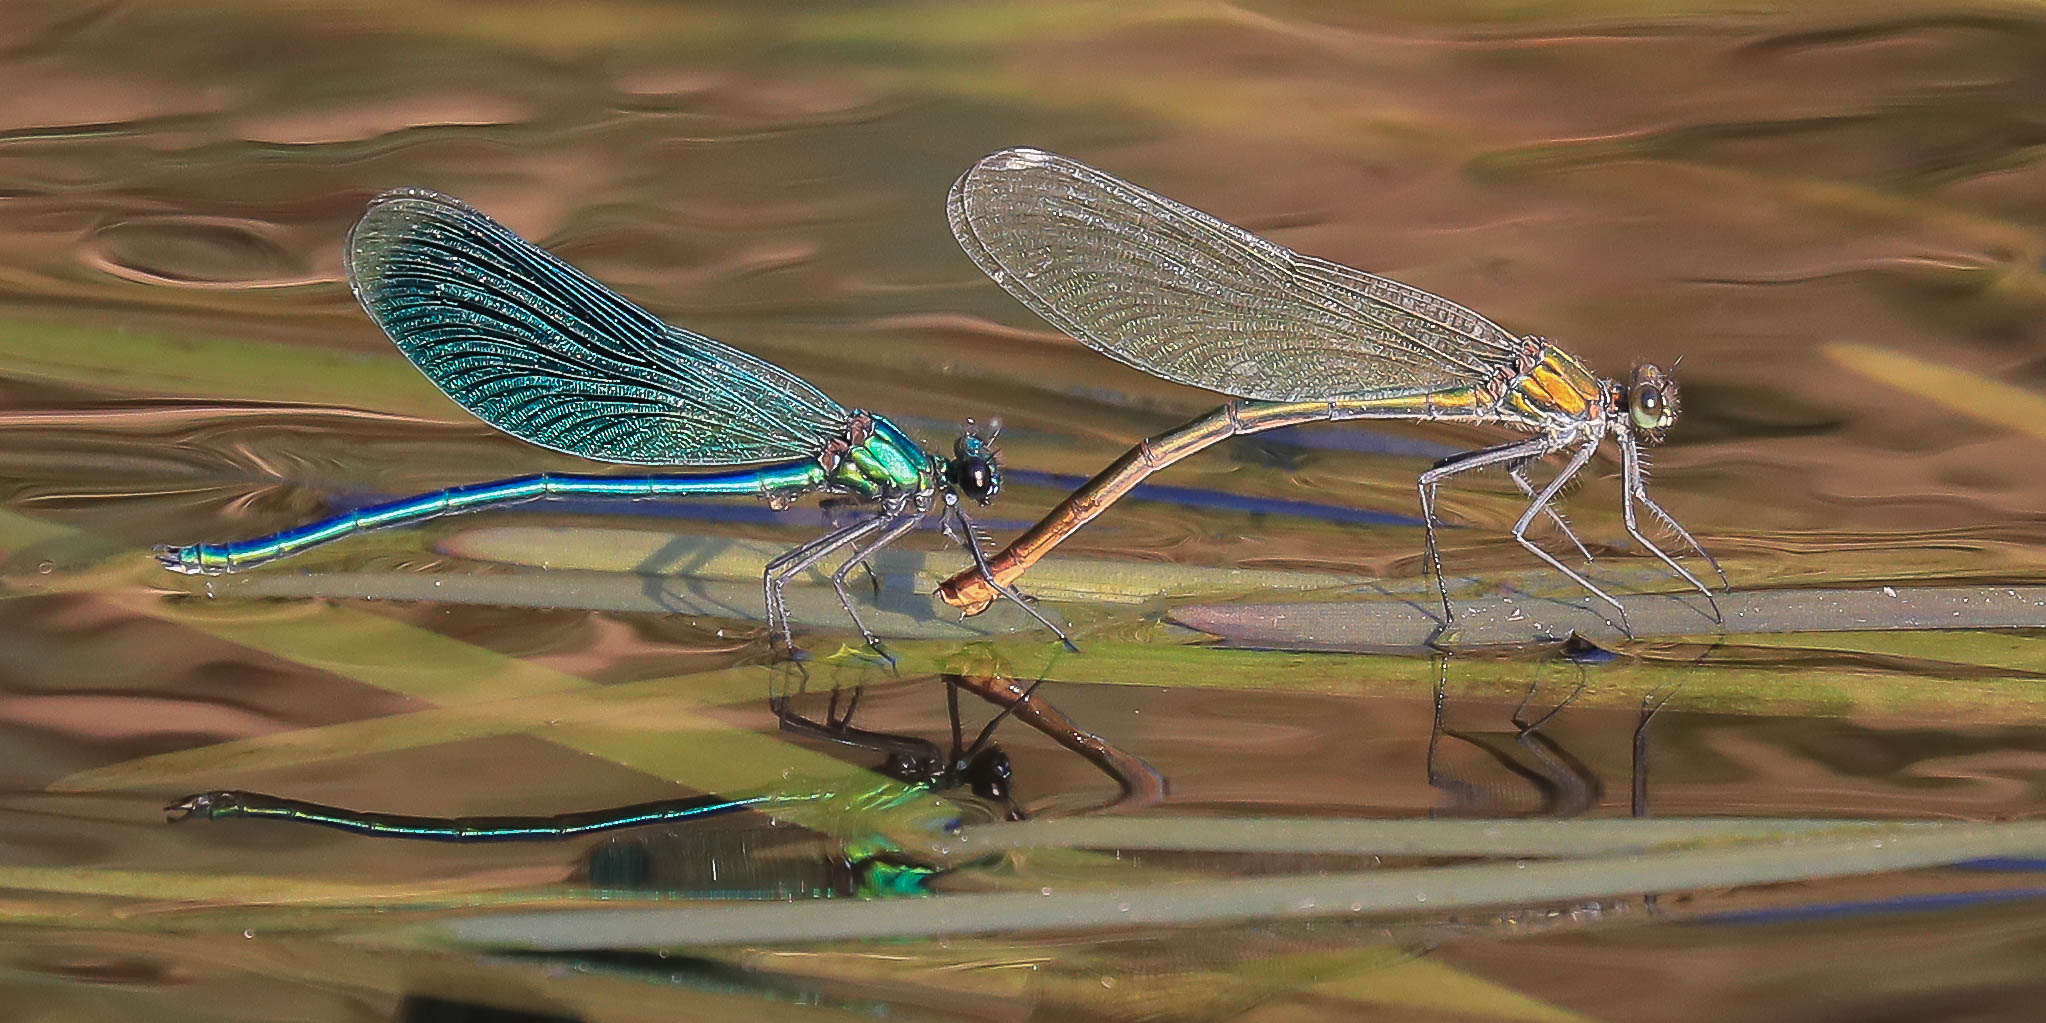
<point>536,348</point>
<point>1184,296</point>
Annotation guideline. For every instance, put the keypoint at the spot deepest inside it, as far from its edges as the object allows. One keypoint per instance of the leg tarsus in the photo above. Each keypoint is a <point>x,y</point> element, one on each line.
<point>774,581</point>
<point>1469,460</point>
<point>903,523</point>
<point>987,572</point>
<point>1527,517</point>
<point>1634,487</point>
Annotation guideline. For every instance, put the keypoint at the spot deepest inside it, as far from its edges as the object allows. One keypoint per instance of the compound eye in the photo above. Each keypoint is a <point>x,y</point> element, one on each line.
<point>1649,408</point>
<point>990,774</point>
<point>975,477</point>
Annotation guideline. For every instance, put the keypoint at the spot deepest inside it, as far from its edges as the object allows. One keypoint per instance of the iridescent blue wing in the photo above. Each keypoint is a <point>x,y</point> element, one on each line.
<point>536,348</point>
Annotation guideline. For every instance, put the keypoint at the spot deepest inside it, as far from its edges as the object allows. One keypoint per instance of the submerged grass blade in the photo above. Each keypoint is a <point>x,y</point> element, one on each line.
<point>1304,835</point>
<point>149,362</point>
<point>1976,395</point>
<point>710,557</point>
<point>893,614</point>
<point>166,889</point>
<point>1379,624</point>
<point>1431,889</point>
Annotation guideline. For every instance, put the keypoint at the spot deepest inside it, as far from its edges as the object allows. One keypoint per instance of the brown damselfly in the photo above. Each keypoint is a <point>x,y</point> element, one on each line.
<point>1293,339</point>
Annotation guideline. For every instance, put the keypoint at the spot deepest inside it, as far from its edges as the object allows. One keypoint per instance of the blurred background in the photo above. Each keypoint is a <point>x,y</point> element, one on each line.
<point>1765,195</point>
<point>1827,216</point>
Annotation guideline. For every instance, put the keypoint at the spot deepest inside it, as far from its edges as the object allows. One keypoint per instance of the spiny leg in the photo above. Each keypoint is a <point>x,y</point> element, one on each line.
<point>972,544</point>
<point>831,507</point>
<point>778,575</point>
<point>1520,480</point>
<point>1466,462</point>
<point>1577,462</point>
<point>903,524</point>
<point>775,579</point>
<point>1635,488</point>
<point>1641,494</point>
<point>772,595</point>
<point>1627,505</point>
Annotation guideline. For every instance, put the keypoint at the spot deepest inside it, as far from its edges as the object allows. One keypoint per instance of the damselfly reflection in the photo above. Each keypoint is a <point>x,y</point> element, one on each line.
<point>919,765</point>
<point>1564,783</point>
<point>914,765</point>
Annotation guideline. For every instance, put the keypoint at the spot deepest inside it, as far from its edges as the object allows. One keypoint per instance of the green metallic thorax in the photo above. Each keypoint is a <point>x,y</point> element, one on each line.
<point>884,463</point>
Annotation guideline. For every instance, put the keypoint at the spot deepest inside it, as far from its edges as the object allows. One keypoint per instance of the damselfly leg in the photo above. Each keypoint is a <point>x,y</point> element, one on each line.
<point>1454,465</point>
<point>1519,474</point>
<point>971,541</point>
<point>1635,487</point>
<point>774,581</point>
<point>904,522</point>
<point>1541,501</point>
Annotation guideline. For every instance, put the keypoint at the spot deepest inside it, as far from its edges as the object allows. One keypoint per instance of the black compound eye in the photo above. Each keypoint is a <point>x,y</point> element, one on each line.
<point>1649,398</point>
<point>975,477</point>
<point>990,774</point>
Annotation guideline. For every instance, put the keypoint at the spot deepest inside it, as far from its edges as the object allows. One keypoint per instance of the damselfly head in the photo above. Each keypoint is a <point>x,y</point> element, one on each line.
<point>991,774</point>
<point>1652,403</point>
<point>974,470</point>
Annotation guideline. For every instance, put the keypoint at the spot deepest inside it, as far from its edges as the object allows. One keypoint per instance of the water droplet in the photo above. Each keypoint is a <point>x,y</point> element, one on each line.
<point>45,567</point>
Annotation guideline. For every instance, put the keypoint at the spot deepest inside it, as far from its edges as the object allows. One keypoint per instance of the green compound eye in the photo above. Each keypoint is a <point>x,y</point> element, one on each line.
<point>1651,402</point>
<point>1648,409</point>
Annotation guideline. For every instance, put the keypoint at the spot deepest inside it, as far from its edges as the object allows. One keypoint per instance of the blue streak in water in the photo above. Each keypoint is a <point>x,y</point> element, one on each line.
<point>2003,863</point>
<point>1194,497</point>
<point>1932,903</point>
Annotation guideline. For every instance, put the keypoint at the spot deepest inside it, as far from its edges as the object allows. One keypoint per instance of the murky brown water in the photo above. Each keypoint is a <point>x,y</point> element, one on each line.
<point>1830,215</point>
